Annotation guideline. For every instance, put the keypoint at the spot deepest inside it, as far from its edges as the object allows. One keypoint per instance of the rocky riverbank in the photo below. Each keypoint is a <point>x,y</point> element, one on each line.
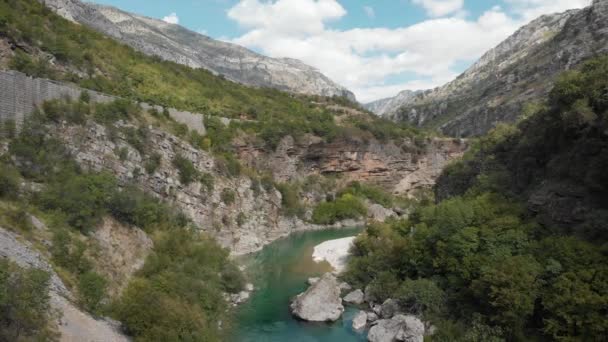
<point>325,301</point>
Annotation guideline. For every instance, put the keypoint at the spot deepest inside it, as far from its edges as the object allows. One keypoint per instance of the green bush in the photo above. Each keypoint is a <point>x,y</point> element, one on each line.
<point>345,207</point>
<point>178,293</point>
<point>187,172</point>
<point>132,206</point>
<point>92,290</point>
<point>207,181</point>
<point>232,278</point>
<point>83,200</point>
<point>120,109</point>
<point>421,296</point>
<point>69,253</point>
<point>122,153</point>
<point>9,181</point>
<point>370,192</point>
<point>25,310</point>
<point>227,165</point>
<point>241,218</point>
<point>228,196</point>
<point>153,163</point>
<point>290,199</point>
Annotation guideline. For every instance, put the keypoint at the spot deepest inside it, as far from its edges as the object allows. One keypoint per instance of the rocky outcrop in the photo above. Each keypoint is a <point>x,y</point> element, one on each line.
<point>360,321</point>
<point>402,168</point>
<point>177,44</point>
<point>399,328</point>
<point>260,220</point>
<point>73,324</point>
<point>321,302</point>
<point>236,299</point>
<point>355,297</point>
<point>520,70</point>
<point>120,252</point>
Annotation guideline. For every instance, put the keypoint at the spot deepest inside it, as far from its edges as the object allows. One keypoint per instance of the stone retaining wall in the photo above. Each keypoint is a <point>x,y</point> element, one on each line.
<point>21,94</point>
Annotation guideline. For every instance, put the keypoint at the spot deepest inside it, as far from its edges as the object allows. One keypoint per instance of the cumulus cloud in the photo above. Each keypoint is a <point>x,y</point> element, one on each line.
<point>371,61</point>
<point>171,18</point>
<point>439,8</point>
<point>369,11</point>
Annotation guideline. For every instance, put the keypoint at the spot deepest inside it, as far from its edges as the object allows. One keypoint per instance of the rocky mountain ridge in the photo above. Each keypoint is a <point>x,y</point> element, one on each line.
<point>177,44</point>
<point>520,70</point>
<point>392,104</point>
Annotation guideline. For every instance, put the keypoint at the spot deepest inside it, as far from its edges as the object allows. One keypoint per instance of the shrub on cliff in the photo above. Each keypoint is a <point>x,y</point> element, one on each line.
<point>83,200</point>
<point>345,207</point>
<point>368,191</point>
<point>25,313</point>
<point>92,290</point>
<point>9,181</point>
<point>187,172</point>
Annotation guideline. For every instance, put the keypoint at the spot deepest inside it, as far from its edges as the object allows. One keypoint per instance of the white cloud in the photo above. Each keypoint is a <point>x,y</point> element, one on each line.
<point>530,9</point>
<point>365,59</point>
<point>171,18</point>
<point>439,8</point>
<point>369,11</point>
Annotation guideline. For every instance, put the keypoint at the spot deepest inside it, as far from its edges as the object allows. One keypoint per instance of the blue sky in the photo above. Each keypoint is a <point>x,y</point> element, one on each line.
<point>375,48</point>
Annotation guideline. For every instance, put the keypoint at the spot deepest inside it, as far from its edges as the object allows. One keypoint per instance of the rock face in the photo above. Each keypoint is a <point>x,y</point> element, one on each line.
<point>355,297</point>
<point>392,104</point>
<point>321,302</point>
<point>174,43</point>
<point>398,328</point>
<point>94,149</point>
<point>519,70</point>
<point>122,251</point>
<point>402,167</point>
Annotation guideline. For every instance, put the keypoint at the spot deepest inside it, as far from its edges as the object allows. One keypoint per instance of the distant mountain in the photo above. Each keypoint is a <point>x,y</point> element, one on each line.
<point>520,70</point>
<point>391,104</point>
<point>175,43</point>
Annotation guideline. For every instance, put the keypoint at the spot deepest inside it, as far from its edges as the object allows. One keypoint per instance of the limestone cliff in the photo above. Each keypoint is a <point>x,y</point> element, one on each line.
<point>400,168</point>
<point>178,44</point>
<point>520,70</point>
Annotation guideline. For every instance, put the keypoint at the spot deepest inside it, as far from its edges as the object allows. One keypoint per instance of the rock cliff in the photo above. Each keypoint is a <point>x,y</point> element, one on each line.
<point>401,169</point>
<point>177,44</point>
<point>520,70</point>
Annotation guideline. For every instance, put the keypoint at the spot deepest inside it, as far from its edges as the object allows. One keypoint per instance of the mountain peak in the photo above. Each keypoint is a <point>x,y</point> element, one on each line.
<point>177,44</point>
<point>519,70</point>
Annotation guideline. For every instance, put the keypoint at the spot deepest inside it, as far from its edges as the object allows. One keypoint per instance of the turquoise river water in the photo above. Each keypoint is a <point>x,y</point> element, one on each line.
<point>279,272</point>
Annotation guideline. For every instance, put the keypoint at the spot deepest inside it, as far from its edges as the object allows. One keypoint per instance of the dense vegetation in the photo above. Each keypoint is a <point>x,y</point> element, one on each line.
<point>344,207</point>
<point>480,264</point>
<point>178,293</point>
<point>93,61</point>
<point>24,304</point>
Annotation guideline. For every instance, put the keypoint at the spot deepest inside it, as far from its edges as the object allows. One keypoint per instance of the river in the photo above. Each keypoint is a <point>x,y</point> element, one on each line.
<point>279,272</point>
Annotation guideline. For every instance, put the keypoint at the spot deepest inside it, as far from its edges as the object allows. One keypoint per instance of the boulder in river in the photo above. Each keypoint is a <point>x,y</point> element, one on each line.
<point>399,328</point>
<point>345,287</point>
<point>321,302</point>
<point>372,317</point>
<point>355,297</point>
<point>313,280</point>
<point>360,321</point>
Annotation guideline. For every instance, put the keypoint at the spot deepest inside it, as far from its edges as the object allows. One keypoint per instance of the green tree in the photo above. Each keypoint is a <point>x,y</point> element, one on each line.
<point>92,290</point>
<point>510,287</point>
<point>24,304</point>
